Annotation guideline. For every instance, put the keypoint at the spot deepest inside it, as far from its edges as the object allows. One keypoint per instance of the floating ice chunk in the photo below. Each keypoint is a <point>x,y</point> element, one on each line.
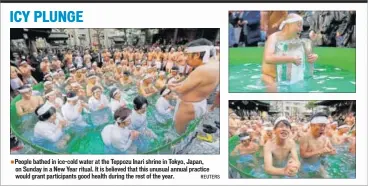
<point>330,88</point>
<point>335,77</point>
<point>255,77</point>
<point>319,77</point>
<point>337,69</point>
<point>352,82</point>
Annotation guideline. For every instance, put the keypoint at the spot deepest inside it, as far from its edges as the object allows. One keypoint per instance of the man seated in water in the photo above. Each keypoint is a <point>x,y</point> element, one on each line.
<point>138,72</point>
<point>161,81</point>
<point>280,155</point>
<point>163,106</point>
<point>49,127</point>
<point>233,124</point>
<point>92,81</point>
<point>350,119</point>
<point>117,100</point>
<point>73,108</point>
<point>56,102</point>
<point>139,117</point>
<point>340,136</point>
<point>25,70</point>
<point>146,87</point>
<point>315,146</point>
<point>28,103</point>
<point>98,100</point>
<point>290,29</point>
<point>194,91</point>
<point>119,135</point>
<point>245,150</point>
<point>126,79</point>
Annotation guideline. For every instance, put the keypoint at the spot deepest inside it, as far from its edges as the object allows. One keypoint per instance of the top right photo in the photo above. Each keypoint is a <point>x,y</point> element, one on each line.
<point>292,51</point>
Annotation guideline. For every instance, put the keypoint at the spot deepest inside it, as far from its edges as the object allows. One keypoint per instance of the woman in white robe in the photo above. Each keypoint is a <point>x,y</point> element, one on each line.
<point>117,100</point>
<point>98,101</point>
<point>163,107</point>
<point>139,117</point>
<point>72,110</point>
<point>48,127</point>
<point>118,135</point>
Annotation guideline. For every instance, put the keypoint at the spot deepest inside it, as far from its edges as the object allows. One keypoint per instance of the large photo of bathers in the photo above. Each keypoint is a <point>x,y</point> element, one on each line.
<point>115,91</point>
<point>292,51</point>
<point>292,139</point>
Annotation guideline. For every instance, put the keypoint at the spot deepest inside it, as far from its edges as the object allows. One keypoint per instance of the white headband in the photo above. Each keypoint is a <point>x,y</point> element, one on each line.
<point>46,107</point>
<point>115,92</point>
<point>166,91</point>
<point>126,119</point>
<point>162,73</point>
<point>343,126</point>
<point>48,94</point>
<point>293,124</point>
<point>25,90</point>
<point>72,98</point>
<point>203,48</point>
<point>147,77</point>
<point>93,76</point>
<point>144,106</point>
<point>282,118</point>
<point>74,84</point>
<point>250,130</point>
<point>23,62</point>
<point>244,138</point>
<point>268,128</point>
<point>47,83</point>
<point>319,119</point>
<point>97,89</point>
<point>290,20</point>
<point>334,123</point>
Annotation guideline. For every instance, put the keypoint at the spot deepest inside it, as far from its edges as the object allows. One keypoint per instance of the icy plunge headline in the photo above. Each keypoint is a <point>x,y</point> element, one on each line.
<point>46,16</point>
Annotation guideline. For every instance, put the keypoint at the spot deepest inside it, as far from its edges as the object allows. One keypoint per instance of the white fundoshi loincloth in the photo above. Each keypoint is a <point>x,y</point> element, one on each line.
<point>200,108</point>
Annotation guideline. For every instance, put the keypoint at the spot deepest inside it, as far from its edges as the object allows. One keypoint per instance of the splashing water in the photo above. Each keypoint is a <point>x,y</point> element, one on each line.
<point>88,140</point>
<point>243,78</point>
<point>341,165</point>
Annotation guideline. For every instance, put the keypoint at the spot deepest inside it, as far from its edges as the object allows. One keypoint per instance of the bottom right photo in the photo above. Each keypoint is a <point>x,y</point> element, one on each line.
<point>292,139</point>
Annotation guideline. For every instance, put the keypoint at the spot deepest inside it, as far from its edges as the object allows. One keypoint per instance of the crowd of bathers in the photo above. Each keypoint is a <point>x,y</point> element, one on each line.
<point>77,85</point>
<point>276,141</point>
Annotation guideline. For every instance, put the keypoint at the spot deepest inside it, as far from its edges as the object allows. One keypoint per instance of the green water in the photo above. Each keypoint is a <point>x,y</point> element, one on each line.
<point>247,78</point>
<point>341,165</point>
<point>88,140</point>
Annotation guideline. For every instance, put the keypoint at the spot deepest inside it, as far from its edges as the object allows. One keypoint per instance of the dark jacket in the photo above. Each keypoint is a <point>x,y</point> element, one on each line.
<point>253,26</point>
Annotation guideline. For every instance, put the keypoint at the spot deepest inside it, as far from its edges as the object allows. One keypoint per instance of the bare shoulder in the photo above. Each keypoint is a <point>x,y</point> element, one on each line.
<point>291,143</point>
<point>268,145</point>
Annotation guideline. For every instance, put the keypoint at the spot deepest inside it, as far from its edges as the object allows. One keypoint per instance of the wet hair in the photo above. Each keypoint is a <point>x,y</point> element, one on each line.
<point>243,135</point>
<point>95,88</point>
<point>175,68</point>
<point>47,115</point>
<point>122,113</point>
<point>48,91</point>
<point>163,89</point>
<point>201,42</point>
<point>286,122</point>
<point>112,92</point>
<point>127,73</point>
<point>139,101</point>
<point>318,114</point>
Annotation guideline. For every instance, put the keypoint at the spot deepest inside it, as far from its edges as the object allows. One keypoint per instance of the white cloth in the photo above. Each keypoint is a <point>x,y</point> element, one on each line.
<point>162,106</point>
<point>71,114</point>
<point>200,108</point>
<point>117,137</point>
<point>139,123</point>
<point>163,113</point>
<point>115,104</point>
<point>158,64</point>
<point>15,83</point>
<point>94,104</point>
<point>48,131</point>
<point>181,68</point>
<point>79,61</point>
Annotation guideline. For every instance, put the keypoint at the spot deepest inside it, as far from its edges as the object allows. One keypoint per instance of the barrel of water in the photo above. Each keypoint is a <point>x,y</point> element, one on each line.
<point>289,73</point>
